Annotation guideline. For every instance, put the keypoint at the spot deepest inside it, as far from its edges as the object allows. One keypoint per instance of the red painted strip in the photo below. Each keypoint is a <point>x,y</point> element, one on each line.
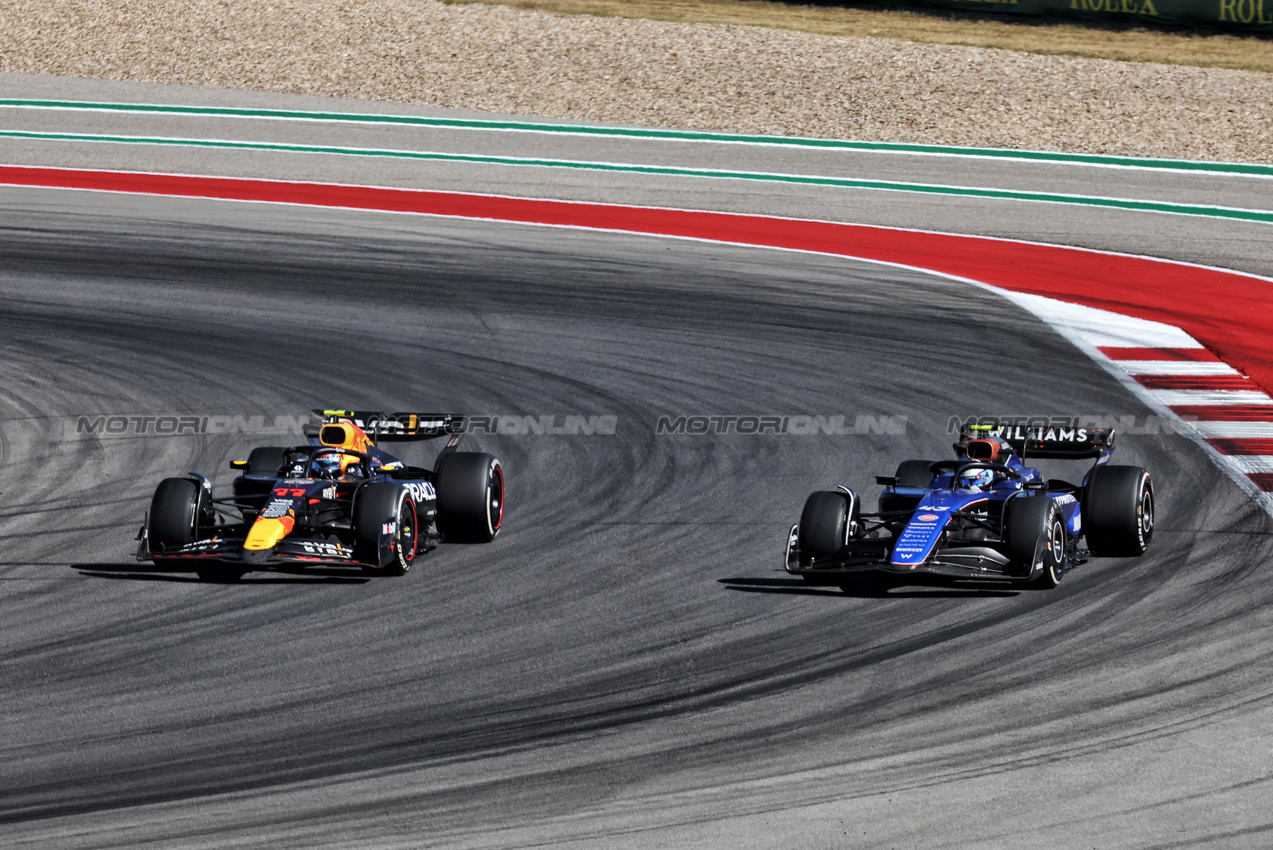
<point>1234,318</point>
<point>1191,354</point>
<point>1225,412</point>
<point>1244,446</point>
<point>1263,480</point>
<point>1195,382</point>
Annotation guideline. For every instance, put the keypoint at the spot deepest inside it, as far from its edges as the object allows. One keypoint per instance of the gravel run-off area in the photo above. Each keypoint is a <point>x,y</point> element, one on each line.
<point>610,70</point>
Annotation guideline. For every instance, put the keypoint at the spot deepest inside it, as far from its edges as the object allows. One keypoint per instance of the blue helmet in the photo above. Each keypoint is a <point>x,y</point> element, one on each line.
<point>977,479</point>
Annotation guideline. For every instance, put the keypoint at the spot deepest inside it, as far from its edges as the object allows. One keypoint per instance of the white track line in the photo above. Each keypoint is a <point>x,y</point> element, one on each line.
<point>1092,329</point>
<point>1176,367</point>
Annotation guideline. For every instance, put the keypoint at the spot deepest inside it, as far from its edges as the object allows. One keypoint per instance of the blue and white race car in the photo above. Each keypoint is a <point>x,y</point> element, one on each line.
<point>982,515</point>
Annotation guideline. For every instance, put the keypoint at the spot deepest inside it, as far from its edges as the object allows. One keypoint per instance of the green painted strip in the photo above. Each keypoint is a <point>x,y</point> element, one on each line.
<point>1230,168</point>
<point>799,179</point>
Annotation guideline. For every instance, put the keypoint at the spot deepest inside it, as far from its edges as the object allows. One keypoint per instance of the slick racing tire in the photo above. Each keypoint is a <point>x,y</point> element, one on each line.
<point>910,473</point>
<point>252,493</point>
<point>265,460</point>
<point>470,498</point>
<point>1034,538</point>
<point>1118,511</point>
<point>825,525</point>
<point>179,510</point>
<point>914,473</point>
<point>377,506</point>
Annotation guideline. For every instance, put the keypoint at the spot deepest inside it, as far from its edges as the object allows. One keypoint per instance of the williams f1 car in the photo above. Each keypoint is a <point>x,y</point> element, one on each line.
<point>339,500</point>
<point>982,515</point>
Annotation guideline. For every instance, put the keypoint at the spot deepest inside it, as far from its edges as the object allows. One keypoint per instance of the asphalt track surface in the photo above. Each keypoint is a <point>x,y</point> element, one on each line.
<point>626,665</point>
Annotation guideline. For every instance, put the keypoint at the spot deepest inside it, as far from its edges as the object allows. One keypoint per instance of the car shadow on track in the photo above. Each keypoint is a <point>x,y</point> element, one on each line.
<point>147,572</point>
<point>798,586</point>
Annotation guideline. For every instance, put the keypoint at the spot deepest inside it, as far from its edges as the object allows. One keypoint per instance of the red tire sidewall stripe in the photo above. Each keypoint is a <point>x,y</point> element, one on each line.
<point>415,527</point>
<point>499,477</point>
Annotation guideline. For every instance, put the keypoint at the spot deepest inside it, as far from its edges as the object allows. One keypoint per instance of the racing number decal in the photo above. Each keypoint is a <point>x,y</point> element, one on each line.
<point>295,492</point>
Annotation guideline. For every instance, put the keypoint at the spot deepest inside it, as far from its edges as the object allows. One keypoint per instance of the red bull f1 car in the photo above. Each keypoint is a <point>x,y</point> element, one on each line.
<point>984,514</point>
<point>339,500</point>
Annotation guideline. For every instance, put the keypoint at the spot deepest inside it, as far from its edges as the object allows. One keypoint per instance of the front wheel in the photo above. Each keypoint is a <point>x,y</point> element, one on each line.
<point>179,511</point>
<point>1034,539</point>
<point>826,524</point>
<point>386,511</point>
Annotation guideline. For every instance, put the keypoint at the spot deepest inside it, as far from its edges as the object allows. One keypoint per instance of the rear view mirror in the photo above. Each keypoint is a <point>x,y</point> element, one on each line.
<point>238,464</point>
<point>886,480</point>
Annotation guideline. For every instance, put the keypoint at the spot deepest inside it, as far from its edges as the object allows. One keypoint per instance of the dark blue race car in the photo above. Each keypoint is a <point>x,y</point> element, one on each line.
<point>338,501</point>
<point>983,515</point>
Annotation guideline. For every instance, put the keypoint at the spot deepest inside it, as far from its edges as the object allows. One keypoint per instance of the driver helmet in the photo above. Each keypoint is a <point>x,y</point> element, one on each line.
<point>977,479</point>
<point>327,466</point>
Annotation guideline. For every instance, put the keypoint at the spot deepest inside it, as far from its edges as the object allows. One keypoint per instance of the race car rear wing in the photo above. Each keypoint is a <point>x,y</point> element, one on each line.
<point>1048,443</point>
<point>398,426</point>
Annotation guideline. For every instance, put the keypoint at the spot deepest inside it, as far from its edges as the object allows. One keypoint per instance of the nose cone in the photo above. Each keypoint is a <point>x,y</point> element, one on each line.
<point>920,537</point>
<point>266,532</point>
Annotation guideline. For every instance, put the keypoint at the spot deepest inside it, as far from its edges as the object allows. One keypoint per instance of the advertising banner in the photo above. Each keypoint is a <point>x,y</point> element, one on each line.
<point>1253,16</point>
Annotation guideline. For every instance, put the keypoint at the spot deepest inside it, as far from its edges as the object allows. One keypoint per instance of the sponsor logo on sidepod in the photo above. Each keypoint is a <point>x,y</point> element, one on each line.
<point>421,492</point>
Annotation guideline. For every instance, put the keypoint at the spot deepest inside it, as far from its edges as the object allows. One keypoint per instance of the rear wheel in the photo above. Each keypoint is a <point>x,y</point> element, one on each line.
<point>251,490</point>
<point>910,473</point>
<point>265,460</point>
<point>1034,539</point>
<point>470,497</point>
<point>914,473</point>
<point>1118,511</point>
